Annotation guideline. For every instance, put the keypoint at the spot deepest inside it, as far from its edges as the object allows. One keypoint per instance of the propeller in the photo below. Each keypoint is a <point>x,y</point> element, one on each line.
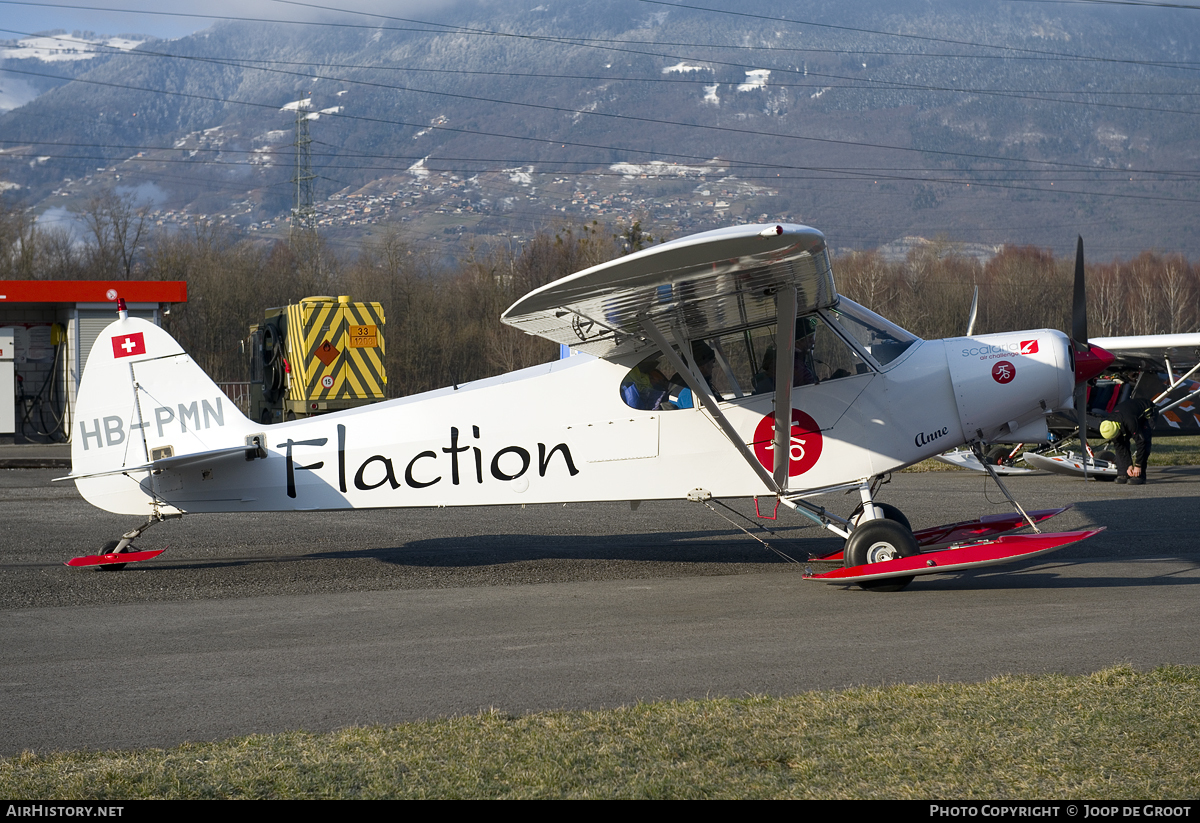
<point>973,313</point>
<point>1089,360</point>
<point>1079,336</point>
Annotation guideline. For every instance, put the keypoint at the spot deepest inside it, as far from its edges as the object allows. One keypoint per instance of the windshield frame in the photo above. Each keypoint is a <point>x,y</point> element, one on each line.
<point>876,323</point>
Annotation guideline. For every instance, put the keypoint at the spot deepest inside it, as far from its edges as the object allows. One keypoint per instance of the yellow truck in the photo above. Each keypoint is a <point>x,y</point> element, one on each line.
<point>319,355</point>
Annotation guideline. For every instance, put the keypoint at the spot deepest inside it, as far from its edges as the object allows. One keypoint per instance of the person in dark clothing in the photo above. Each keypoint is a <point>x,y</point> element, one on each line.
<point>1130,422</point>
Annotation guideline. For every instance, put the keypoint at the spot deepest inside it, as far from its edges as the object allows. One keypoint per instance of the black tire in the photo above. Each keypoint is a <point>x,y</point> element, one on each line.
<point>876,541</point>
<point>889,513</point>
<point>108,547</point>
<point>274,377</point>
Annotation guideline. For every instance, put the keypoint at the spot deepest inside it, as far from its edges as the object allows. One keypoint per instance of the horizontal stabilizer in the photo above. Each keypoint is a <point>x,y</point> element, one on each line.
<point>966,460</point>
<point>1071,464</point>
<point>971,556</point>
<point>211,456</point>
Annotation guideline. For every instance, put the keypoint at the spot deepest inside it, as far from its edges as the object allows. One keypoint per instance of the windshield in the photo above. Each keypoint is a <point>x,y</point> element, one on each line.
<point>882,339</point>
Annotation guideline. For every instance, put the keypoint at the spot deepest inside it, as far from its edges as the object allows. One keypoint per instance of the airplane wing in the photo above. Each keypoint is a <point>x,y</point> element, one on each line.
<point>1151,351</point>
<point>702,285</point>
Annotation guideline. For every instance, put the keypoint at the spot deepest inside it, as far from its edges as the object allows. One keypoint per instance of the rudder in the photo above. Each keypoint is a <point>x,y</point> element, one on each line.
<point>142,398</point>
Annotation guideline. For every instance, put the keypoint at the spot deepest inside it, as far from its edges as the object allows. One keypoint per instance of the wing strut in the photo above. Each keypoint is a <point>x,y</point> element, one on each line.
<point>1178,402</point>
<point>977,448</point>
<point>700,389</point>
<point>1176,384</point>
<point>785,355</point>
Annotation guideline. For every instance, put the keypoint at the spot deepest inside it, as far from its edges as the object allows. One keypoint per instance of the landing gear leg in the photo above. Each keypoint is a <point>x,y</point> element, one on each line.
<point>977,449</point>
<point>125,544</point>
<point>881,532</point>
<point>874,532</point>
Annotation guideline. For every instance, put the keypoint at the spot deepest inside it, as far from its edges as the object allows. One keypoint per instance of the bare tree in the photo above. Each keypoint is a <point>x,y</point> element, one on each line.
<point>117,225</point>
<point>1178,294</point>
<point>1106,301</point>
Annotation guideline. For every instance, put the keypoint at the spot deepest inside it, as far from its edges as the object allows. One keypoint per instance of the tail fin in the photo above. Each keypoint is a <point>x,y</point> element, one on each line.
<point>142,400</point>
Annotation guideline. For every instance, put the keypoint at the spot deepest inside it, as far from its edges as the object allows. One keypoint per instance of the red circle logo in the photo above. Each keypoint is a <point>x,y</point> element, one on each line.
<point>1004,372</point>
<point>804,451</point>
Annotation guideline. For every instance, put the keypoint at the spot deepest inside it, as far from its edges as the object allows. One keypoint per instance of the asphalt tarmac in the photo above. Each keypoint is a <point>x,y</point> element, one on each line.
<point>318,621</point>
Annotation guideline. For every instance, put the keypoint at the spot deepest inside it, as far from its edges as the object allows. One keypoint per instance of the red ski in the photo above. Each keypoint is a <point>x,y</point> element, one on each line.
<point>987,526</point>
<point>972,555</point>
<point>107,559</point>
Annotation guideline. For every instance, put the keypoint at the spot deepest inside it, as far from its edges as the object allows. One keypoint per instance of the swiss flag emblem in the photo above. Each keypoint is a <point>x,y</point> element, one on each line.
<point>127,345</point>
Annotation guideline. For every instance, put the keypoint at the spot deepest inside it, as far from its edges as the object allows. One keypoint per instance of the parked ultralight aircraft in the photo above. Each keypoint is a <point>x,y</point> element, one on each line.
<point>855,398</point>
<point>1160,368</point>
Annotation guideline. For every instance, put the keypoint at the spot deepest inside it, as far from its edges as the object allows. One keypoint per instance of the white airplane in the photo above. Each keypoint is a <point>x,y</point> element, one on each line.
<point>859,398</point>
<point>1160,368</point>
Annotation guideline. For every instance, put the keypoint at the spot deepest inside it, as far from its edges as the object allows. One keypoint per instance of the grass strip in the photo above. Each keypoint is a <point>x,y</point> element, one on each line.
<point>1116,734</point>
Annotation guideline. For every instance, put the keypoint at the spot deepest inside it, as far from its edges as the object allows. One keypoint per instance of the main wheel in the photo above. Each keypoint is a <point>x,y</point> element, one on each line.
<point>876,541</point>
<point>108,548</point>
<point>889,513</point>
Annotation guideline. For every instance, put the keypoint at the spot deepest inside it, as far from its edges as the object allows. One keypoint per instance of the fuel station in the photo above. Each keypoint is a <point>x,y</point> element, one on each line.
<point>47,328</point>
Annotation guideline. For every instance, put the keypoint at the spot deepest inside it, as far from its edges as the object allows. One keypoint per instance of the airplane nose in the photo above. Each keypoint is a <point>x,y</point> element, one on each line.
<point>1092,362</point>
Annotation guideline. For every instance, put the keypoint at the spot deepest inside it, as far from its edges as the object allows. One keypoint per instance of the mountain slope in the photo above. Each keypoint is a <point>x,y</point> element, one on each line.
<point>870,120</point>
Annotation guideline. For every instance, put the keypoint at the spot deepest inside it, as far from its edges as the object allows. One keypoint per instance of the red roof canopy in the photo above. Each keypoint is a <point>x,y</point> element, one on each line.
<point>93,291</point>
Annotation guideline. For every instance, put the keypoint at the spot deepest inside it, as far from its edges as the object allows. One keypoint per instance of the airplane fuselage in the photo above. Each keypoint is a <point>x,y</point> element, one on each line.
<point>555,433</point>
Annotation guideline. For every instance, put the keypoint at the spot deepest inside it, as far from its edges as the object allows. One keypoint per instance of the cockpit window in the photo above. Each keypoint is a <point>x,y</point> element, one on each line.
<point>741,364</point>
<point>882,339</point>
<point>820,355</point>
<point>646,387</point>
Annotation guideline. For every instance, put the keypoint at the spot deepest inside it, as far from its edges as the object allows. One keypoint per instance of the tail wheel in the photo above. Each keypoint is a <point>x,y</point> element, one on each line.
<point>108,549</point>
<point>875,542</point>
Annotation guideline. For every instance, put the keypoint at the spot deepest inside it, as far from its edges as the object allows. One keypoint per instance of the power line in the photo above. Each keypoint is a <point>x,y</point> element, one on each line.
<point>857,30</point>
<point>502,164</point>
<point>859,83</point>
<point>576,144</point>
<point>449,28</point>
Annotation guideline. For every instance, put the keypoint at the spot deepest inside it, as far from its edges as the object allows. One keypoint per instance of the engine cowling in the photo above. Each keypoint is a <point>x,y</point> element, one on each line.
<point>1005,384</point>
